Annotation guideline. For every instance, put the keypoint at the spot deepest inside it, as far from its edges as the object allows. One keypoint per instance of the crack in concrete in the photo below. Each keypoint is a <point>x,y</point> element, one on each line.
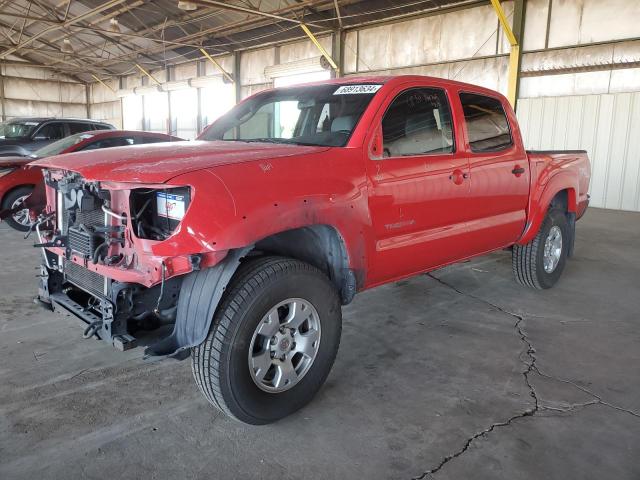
<point>531,366</point>
<point>597,398</point>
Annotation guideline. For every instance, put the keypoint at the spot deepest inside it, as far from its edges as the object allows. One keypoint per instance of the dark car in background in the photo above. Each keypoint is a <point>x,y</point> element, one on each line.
<point>22,136</point>
<point>17,180</point>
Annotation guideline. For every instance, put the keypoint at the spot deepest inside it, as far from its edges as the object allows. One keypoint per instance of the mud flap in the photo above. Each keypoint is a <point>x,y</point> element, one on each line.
<point>571,220</point>
<point>200,294</point>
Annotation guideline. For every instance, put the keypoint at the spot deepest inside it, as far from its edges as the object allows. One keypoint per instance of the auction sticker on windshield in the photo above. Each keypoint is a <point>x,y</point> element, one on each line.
<point>355,89</point>
<point>170,206</point>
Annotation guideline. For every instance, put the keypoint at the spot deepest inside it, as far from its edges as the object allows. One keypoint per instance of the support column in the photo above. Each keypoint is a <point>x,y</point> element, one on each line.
<point>236,76</point>
<point>3,116</point>
<point>201,71</point>
<point>169,127</point>
<point>87,91</point>
<point>514,36</point>
<point>519,12</point>
<point>337,50</point>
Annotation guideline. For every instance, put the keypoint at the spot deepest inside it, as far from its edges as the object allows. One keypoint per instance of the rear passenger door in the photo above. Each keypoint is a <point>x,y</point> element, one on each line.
<point>418,190</point>
<point>498,173</point>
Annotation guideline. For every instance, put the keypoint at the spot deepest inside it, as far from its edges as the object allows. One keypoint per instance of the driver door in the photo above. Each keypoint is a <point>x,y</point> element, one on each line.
<point>418,186</point>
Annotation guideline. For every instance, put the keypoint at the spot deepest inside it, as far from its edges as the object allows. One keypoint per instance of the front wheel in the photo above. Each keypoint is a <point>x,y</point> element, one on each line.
<point>539,263</point>
<point>272,342</point>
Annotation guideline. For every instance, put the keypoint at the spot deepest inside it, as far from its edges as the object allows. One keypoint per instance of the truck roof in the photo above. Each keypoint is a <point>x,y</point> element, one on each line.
<point>400,79</point>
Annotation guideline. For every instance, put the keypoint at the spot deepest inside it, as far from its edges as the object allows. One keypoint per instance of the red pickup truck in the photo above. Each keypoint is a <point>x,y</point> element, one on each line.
<point>245,244</point>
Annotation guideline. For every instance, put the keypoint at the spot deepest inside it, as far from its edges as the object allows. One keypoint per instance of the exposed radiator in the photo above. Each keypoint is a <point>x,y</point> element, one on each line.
<point>86,279</point>
<point>90,218</point>
<point>81,241</point>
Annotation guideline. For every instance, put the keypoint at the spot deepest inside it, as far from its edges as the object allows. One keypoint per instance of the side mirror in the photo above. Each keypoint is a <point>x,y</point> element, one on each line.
<point>376,146</point>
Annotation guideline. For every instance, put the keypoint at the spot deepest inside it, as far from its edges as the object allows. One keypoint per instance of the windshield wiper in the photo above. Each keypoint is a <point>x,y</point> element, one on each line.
<point>264,140</point>
<point>283,141</point>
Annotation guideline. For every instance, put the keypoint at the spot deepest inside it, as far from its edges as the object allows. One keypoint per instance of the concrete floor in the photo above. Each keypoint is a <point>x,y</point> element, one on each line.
<point>462,374</point>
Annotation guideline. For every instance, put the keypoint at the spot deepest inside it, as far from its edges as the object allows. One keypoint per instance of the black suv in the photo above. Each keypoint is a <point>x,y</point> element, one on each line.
<point>21,136</point>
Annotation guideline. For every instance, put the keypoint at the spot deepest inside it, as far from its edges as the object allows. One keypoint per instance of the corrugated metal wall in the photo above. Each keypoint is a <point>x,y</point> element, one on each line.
<point>104,105</point>
<point>33,92</point>
<point>607,126</point>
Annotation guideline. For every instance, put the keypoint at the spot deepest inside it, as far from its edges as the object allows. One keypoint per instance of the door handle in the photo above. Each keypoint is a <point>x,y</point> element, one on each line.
<point>518,170</point>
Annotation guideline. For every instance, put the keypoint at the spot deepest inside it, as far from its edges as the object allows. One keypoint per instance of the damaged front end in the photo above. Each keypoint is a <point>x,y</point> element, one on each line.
<point>98,242</point>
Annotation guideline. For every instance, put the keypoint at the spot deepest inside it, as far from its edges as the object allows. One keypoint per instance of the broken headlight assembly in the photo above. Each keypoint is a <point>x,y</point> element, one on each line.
<point>156,213</point>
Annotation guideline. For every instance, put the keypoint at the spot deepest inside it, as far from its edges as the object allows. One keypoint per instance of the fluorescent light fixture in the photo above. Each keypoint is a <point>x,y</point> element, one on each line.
<point>66,46</point>
<point>189,6</point>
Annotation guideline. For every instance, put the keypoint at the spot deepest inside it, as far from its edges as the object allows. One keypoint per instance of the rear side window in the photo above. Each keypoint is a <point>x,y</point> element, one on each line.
<point>487,123</point>
<point>109,143</point>
<point>143,140</point>
<point>100,126</point>
<point>79,128</point>
<point>418,122</point>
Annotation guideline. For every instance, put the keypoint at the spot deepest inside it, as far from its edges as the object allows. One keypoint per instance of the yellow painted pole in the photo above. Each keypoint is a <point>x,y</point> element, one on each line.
<point>504,22</point>
<point>217,64</point>
<point>323,51</point>
<point>514,54</point>
<point>148,74</point>
<point>514,68</point>
<point>104,84</point>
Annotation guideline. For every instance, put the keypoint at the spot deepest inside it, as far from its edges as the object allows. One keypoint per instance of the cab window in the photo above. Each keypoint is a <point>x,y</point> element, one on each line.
<point>487,124</point>
<point>418,122</point>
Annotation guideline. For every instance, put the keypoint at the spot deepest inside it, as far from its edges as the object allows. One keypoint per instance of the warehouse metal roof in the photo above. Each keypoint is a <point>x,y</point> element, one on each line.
<point>84,38</point>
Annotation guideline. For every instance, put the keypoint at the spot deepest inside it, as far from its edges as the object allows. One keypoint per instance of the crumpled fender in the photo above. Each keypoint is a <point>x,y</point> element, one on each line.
<point>200,295</point>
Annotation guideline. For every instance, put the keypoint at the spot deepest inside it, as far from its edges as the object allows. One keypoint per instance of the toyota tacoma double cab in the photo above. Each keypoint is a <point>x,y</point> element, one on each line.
<point>239,249</point>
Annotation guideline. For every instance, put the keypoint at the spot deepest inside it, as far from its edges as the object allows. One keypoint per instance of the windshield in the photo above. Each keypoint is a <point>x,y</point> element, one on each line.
<point>322,115</point>
<point>17,129</point>
<point>60,146</point>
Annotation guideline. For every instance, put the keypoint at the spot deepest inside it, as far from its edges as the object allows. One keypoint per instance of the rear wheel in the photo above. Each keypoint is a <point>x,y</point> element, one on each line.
<point>21,219</point>
<point>539,263</point>
<point>272,342</point>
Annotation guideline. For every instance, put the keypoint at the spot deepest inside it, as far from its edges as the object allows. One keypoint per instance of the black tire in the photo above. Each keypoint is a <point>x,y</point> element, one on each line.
<point>527,260</point>
<point>8,200</point>
<point>220,363</point>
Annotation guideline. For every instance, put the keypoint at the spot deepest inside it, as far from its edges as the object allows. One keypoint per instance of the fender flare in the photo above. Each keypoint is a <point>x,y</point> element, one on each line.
<point>538,208</point>
<point>200,295</point>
